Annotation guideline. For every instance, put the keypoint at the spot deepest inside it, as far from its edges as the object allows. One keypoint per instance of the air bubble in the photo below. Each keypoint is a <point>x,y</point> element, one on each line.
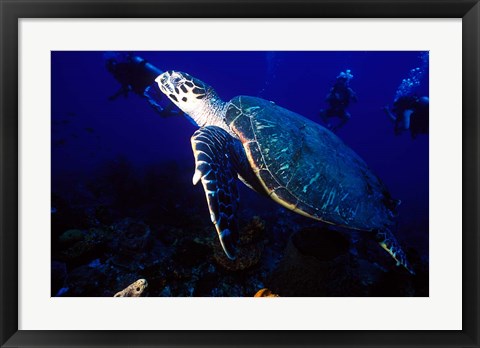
<point>414,79</point>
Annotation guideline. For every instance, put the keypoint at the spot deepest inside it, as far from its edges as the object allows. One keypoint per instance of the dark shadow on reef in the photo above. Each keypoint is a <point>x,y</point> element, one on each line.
<point>129,225</point>
<point>320,262</point>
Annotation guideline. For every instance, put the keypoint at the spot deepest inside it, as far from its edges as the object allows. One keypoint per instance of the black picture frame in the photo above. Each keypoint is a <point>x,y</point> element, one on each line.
<point>12,10</point>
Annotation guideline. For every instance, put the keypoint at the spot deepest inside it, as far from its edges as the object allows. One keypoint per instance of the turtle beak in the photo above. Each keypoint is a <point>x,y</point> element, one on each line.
<point>163,82</point>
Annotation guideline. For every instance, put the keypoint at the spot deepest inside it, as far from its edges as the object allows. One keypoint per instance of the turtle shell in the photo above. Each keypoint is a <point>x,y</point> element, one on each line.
<point>308,169</point>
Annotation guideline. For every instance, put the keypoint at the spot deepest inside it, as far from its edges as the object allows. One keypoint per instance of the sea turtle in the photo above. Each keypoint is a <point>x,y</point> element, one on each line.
<point>274,151</point>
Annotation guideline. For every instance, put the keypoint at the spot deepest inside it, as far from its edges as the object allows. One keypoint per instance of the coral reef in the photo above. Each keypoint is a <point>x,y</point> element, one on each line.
<point>80,246</point>
<point>86,281</point>
<point>133,236</point>
<point>250,247</point>
<point>97,248</point>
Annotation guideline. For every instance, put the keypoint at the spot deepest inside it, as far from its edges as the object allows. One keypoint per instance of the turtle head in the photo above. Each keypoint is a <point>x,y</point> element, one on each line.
<point>192,96</point>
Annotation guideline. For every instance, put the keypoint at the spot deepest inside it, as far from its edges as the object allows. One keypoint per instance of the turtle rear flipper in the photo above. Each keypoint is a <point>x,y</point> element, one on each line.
<point>214,151</point>
<point>387,241</point>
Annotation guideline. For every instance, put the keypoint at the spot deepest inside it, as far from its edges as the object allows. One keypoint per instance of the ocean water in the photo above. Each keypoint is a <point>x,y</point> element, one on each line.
<point>124,207</point>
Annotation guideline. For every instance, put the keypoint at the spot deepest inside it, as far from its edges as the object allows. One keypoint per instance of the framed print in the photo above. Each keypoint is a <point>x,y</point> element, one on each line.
<point>164,165</point>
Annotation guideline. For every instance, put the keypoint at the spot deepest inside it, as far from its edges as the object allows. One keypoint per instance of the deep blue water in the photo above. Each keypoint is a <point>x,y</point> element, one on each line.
<point>91,133</point>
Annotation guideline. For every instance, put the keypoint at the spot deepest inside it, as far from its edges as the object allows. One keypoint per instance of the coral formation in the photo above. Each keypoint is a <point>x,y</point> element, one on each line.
<point>135,289</point>
<point>317,262</point>
<point>250,247</point>
<point>96,250</point>
<point>133,235</point>
<point>81,246</point>
<point>265,293</point>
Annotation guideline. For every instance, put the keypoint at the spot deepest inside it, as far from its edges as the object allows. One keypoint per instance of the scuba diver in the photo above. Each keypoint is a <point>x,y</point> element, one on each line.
<point>339,98</point>
<point>136,75</point>
<point>410,113</point>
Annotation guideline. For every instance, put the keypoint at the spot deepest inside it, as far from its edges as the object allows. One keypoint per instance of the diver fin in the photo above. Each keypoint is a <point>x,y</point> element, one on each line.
<point>387,241</point>
<point>212,148</point>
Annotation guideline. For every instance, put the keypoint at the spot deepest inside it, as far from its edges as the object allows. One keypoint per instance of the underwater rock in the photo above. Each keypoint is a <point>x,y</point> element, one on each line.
<point>207,282</point>
<point>395,282</point>
<point>265,293</point>
<point>166,292</point>
<point>166,235</point>
<point>71,236</point>
<point>135,289</point>
<point>59,276</point>
<point>317,262</point>
<point>100,215</point>
<point>253,231</point>
<point>87,245</point>
<point>86,281</point>
<point>133,237</point>
<point>191,252</point>
<point>322,243</point>
<point>81,252</point>
<point>156,273</point>
<point>95,264</point>
<point>250,247</point>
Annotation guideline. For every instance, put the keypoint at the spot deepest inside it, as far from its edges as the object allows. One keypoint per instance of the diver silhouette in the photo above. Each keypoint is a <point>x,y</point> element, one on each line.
<point>410,113</point>
<point>339,98</point>
<point>136,75</point>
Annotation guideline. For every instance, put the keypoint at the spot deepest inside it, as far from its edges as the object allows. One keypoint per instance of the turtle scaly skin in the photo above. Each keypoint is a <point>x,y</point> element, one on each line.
<point>217,173</point>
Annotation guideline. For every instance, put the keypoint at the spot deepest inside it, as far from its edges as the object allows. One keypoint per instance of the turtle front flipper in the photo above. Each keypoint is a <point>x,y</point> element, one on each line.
<point>387,241</point>
<point>214,151</point>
